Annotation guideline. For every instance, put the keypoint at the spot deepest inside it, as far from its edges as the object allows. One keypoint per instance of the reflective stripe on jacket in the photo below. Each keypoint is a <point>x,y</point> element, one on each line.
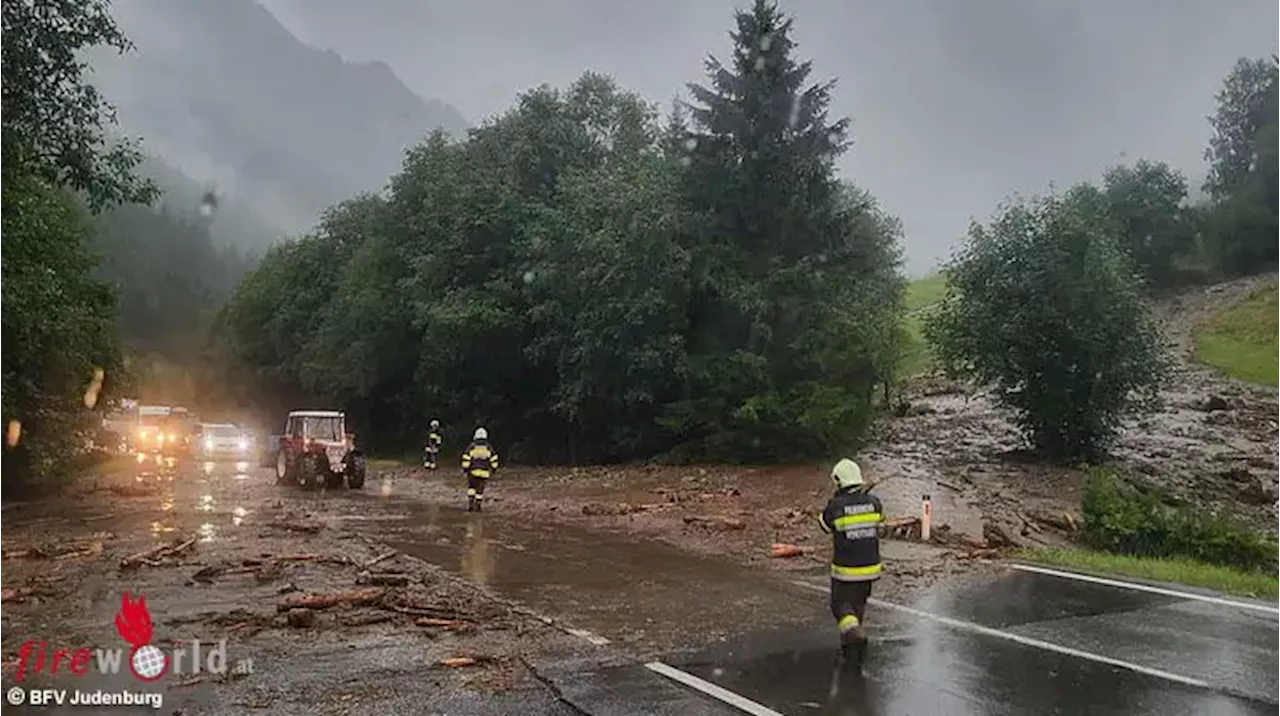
<point>480,459</point>
<point>852,518</point>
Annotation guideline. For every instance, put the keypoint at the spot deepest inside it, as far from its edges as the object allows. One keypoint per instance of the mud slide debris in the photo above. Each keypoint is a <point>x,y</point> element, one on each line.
<point>155,556</point>
<point>357,597</point>
<point>786,551</point>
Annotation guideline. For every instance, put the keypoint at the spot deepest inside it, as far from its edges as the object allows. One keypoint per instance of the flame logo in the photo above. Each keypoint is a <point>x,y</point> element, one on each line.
<point>133,624</point>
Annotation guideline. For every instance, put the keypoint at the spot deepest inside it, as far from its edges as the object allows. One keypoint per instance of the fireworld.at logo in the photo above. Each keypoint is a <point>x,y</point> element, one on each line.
<point>147,662</point>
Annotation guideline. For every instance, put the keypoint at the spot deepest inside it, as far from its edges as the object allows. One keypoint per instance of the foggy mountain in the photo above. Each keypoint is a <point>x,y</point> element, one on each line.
<point>955,104</point>
<point>224,94</point>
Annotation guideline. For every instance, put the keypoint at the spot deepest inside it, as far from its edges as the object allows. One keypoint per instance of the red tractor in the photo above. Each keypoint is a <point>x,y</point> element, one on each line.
<point>316,450</point>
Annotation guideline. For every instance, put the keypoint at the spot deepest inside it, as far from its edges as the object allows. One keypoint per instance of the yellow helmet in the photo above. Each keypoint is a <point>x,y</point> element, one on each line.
<point>846,474</point>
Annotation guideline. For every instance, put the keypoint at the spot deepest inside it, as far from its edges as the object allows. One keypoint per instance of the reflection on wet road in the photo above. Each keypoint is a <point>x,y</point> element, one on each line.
<point>1040,645</point>
<point>1023,643</point>
<point>647,593</point>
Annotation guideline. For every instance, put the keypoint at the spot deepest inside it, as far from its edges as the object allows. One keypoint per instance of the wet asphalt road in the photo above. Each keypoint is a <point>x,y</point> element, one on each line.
<point>1022,643</point>
<point>919,666</point>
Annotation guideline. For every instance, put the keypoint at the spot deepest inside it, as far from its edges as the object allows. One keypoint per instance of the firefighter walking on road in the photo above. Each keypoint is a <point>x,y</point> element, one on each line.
<point>479,463</point>
<point>852,517</point>
<point>433,445</point>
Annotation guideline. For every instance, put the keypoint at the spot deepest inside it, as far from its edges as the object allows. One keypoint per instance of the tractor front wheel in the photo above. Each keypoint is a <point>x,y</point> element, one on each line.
<point>284,470</point>
<point>355,471</point>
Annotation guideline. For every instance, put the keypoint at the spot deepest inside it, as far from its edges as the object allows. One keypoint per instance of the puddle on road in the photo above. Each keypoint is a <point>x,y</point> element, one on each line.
<point>929,669</point>
<point>207,532</point>
<point>608,583</point>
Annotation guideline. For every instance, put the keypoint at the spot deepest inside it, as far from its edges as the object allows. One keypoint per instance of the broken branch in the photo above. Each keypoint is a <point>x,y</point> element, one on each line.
<point>356,597</point>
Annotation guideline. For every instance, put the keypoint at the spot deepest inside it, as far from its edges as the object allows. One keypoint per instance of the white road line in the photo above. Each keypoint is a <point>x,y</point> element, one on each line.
<point>584,634</point>
<point>1147,588</point>
<point>1028,641</point>
<point>739,702</point>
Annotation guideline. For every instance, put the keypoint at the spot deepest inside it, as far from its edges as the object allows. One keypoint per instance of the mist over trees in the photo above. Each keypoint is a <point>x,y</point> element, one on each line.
<point>592,282</point>
<point>589,277</point>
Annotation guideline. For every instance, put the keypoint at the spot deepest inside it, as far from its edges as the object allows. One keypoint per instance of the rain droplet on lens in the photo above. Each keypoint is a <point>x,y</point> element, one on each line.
<point>529,276</point>
<point>691,143</point>
<point>95,388</point>
<point>686,161</point>
<point>208,203</point>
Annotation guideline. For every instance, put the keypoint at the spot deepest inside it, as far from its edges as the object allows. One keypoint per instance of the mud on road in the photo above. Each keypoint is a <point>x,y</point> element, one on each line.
<point>222,554</point>
<point>335,594</point>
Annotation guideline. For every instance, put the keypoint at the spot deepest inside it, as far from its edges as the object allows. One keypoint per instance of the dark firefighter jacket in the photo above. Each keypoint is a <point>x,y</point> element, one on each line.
<point>433,441</point>
<point>853,518</point>
<point>480,459</point>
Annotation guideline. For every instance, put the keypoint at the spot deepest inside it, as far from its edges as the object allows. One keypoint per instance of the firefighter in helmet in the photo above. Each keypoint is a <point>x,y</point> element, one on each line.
<point>433,445</point>
<point>479,463</point>
<point>852,517</point>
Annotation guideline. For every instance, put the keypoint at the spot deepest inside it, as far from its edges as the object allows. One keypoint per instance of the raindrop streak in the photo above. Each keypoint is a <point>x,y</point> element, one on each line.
<point>14,433</point>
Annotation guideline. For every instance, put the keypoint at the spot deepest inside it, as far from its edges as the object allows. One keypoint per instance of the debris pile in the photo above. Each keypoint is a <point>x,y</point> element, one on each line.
<point>157,556</point>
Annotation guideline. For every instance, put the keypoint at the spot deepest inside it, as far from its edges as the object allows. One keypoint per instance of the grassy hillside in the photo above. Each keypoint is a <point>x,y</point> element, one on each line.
<point>921,293</point>
<point>1241,340</point>
<point>924,291</point>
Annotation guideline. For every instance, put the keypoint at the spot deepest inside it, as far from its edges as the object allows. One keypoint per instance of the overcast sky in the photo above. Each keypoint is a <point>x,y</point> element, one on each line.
<point>955,103</point>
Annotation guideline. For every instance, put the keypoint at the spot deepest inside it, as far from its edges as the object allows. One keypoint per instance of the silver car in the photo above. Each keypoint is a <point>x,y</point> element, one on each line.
<point>223,441</point>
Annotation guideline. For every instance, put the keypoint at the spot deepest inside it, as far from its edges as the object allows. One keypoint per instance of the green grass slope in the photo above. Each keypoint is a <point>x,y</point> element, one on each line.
<point>921,293</point>
<point>1242,340</point>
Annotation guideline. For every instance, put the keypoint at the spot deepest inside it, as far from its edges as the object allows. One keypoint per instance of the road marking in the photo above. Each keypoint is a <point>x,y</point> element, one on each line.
<point>584,634</point>
<point>739,702</point>
<point>1147,588</point>
<point>1028,641</point>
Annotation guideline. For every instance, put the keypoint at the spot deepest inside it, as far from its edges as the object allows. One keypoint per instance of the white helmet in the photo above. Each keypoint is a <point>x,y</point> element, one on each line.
<point>846,474</point>
<point>435,424</point>
<point>481,434</point>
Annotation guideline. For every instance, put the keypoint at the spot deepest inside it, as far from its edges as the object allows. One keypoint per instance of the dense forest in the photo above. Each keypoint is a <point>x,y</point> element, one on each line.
<point>590,278</point>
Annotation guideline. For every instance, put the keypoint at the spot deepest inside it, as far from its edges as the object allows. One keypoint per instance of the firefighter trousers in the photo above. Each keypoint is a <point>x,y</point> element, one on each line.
<point>849,605</point>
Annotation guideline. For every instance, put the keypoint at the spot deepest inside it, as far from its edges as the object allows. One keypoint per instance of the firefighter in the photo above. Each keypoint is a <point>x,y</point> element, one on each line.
<point>479,463</point>
<point>852,517</point>
<point>433,445</point>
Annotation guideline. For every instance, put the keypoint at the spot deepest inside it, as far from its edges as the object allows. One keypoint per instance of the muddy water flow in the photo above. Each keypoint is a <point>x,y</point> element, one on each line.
<point>644,594</point>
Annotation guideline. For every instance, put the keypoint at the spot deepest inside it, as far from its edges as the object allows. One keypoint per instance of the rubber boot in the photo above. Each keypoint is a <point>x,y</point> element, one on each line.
<point>472,505</point>
<point>479,505</point>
